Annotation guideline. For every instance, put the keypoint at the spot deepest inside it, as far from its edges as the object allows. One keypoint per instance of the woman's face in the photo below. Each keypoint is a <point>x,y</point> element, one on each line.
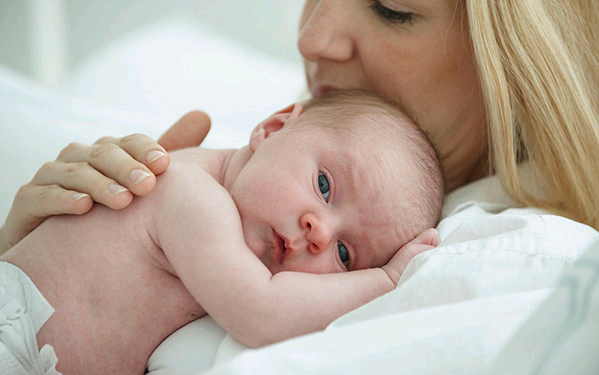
<point>417,53</point>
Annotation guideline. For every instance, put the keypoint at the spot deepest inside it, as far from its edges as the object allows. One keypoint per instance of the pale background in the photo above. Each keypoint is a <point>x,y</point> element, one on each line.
<point>75,70</point>
<point>75,30</point>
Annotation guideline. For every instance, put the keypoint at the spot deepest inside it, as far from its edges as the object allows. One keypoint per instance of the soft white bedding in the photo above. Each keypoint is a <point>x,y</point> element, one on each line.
<point>485,301</point>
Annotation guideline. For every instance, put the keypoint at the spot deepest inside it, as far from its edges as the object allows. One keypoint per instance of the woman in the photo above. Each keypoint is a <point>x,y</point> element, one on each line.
<point>494,84</point>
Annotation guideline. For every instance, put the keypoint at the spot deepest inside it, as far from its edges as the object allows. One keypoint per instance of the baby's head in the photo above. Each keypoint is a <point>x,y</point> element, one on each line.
<point>339,183</point>
<point>409,157</point>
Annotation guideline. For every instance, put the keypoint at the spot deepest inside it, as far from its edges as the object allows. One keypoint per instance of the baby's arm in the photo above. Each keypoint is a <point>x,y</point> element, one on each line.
<point>200,233</point>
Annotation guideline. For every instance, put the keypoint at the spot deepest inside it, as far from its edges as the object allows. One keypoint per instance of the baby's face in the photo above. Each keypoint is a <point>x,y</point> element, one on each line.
<point>313,202</point>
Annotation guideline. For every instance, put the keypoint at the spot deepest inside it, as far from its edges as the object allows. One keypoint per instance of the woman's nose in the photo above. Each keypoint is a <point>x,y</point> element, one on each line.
<point>319,232</point>
<point>325,31</point>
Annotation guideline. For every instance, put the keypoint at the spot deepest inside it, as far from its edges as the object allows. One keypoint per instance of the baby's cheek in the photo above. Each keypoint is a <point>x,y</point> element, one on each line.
<point>255,244</point>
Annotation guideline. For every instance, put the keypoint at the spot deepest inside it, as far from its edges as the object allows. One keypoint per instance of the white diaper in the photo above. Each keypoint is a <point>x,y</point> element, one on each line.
<point>23,311</point>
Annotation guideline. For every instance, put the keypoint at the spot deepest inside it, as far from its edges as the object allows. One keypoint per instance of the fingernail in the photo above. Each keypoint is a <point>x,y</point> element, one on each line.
<point>116,189</point>
<point>137,175</point>
<point>154,155</point>
<point>78,196</point>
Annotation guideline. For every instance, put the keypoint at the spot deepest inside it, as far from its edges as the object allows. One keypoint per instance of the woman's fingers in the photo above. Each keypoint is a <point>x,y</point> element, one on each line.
<point>122,161</point>
<point>33,204</point>
<point>189,131</point>
<point>143,149</point>
<point>110,172</point>
<point>81,177</point>
<point>42,201</point>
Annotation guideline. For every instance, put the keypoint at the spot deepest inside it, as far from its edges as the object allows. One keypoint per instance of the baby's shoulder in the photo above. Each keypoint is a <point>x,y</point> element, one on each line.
<point>191,172</point>
<point>190,186</point>
<point>186,200</point>
<point>197,161</point>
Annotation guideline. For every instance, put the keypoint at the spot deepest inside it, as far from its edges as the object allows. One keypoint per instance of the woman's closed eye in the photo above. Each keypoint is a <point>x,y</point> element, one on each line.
<point>323,186</point>
<point>389,14</point>
<point>343,254</point>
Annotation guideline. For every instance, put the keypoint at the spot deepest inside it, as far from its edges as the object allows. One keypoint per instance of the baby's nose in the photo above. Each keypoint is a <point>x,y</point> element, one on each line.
<point>319,232</point>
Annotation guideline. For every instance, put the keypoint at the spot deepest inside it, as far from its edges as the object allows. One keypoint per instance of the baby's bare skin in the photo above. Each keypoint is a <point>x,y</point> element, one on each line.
<point>123,298</point>
<point>248,233</point>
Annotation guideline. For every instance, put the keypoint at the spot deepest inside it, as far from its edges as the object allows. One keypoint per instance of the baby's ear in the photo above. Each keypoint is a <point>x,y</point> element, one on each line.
<point>274,123</point>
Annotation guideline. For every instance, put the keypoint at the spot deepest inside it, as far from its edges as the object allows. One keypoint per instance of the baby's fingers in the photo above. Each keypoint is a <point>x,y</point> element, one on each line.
<point>428,237</point>
<point>425,241</point>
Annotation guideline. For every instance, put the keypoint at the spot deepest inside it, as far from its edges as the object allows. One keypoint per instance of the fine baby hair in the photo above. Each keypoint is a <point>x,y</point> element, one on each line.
<point>356,114</point>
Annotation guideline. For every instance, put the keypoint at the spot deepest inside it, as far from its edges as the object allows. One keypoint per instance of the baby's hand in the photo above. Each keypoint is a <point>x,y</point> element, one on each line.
<point>427,240</point>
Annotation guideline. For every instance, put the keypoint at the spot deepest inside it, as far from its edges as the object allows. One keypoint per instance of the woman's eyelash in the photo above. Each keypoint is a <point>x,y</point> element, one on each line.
<point>390,14</point>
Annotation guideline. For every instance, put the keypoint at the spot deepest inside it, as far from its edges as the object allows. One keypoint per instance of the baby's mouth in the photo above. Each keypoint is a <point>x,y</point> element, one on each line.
<point>280,248</point>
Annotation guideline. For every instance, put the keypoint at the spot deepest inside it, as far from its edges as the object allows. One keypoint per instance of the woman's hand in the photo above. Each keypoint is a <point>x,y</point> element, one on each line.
<point>427,240</point>
<point>111,172</point>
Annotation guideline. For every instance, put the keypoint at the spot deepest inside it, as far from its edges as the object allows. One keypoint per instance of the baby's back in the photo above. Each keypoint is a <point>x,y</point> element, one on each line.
<point>111,286</point>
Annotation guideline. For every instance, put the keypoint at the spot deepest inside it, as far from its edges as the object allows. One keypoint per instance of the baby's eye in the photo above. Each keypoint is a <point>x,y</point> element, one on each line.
<point>343,254</point>
<point>323,186</point>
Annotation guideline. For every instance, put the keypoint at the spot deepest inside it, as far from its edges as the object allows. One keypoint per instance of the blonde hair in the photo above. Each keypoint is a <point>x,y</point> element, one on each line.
<point>539,73</point>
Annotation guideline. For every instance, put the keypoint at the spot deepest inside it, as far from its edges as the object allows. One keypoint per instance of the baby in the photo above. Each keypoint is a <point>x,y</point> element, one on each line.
<point>317,215</point>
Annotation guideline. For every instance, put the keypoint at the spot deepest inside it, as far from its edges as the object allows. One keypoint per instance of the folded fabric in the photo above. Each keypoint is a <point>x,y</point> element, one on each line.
<point>23,311</point>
